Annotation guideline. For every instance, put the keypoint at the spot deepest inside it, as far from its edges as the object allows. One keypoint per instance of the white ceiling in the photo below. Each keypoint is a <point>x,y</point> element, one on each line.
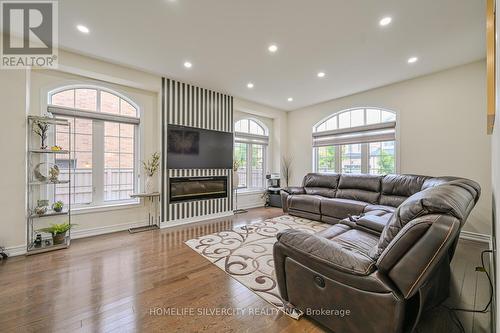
<point>227,40</point>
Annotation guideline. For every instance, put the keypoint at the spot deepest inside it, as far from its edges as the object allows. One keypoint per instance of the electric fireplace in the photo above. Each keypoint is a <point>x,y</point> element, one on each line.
<point>197,188</point>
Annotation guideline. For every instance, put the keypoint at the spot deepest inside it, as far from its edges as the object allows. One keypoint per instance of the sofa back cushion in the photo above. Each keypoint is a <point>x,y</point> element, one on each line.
<point>321,184</point>
<point>361,187</point>
<point>455,198</point>
<point>397,188</point>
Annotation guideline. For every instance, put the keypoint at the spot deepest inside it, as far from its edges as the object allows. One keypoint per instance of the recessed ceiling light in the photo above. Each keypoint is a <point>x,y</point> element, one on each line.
<point>249,85</point>
<point>385,21</point>
<point>412,60</point>
<point>321,74</point>
<point>187,64</point>
<point>273,48</point>
<point>83,29</point>
<point>290,99</point>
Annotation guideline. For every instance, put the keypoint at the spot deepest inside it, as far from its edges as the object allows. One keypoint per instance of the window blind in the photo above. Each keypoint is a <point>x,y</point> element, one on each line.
<point>360,134</point>
<point>71,112</point>
<point>251,138</point>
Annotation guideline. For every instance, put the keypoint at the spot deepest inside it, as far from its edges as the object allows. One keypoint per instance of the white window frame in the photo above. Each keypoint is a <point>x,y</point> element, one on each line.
<point>365,156</point>
<point>98,118</point>
<point>252,140</point>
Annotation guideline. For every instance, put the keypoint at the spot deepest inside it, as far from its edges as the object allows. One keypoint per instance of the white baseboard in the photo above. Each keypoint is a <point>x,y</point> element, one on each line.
<point>475,237</point>
<point>251,205</point>
<point>250,200</point>
<point>169,224</point>
<point>18,250</point>
<point>75,234</point>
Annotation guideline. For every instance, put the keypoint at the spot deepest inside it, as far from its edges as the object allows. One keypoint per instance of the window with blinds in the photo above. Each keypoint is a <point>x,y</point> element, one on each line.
<point>361,140</point>
<point>104,156</point>
<point>251,140</point>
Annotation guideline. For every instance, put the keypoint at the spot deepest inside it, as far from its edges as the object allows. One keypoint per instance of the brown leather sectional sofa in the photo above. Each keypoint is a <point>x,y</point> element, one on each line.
<point>385,259</point>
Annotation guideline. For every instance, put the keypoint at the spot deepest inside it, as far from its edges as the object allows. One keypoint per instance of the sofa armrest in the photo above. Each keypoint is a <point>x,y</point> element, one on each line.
<point>372,222</point>
<point>328,252</point>
<point>294,190</point>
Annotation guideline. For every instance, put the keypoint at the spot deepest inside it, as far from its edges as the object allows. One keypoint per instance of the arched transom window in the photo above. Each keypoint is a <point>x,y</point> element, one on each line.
<point>104,136</point>
<point>360,140</point>
<point>251,140</point>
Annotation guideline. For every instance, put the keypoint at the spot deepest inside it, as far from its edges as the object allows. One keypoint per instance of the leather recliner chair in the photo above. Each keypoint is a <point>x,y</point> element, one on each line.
<point>385,266</point>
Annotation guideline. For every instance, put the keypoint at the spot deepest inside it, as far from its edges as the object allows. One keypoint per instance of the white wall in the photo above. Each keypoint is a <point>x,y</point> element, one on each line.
<point>495,166</point>
<point>442,120</point>
<point>18,101</point>
<point>278,131</point>
<point>495,181</point>
<point>12,148</point>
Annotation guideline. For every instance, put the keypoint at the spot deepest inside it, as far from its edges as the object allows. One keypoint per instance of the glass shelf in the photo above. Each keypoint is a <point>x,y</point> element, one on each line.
<point>48,151</point>
<point>32,249</point>
<point>50,213</point>
<point>48,182</point>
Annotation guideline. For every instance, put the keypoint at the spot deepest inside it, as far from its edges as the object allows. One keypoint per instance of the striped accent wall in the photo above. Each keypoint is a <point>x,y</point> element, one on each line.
<point>188,105</point>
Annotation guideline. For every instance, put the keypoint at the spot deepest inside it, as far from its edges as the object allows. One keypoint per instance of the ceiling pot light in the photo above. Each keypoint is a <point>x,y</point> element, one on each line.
<point>273,48</point>
<point>249,85</point>
<point>290,99</point>
<point>187,64</point>
<point>83,29</point>
<point>385,21</point>
<point>321,74</point>
<point>412,60</point>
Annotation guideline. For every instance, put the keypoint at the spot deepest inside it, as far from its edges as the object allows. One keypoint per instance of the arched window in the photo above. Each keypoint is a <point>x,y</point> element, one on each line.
<point>103,159</point>
<point>361,140</point>
<point>251,140</point>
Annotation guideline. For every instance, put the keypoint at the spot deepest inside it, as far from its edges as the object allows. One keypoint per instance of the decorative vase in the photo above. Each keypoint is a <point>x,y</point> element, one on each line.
<point>149,185</point>
<point>43,145</point>
<point>58,238</point>
<point>236,180</point>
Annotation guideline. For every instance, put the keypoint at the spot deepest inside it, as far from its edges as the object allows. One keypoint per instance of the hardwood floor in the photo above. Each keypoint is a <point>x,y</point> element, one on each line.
<point>125,282</point>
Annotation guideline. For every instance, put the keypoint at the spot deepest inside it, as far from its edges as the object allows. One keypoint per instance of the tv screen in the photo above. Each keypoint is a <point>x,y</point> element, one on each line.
<point>195,148</point>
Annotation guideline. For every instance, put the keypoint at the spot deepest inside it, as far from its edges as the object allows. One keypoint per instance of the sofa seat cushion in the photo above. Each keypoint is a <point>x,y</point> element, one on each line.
<point>305,202</point>
<point>341,208</point>
<point>346,250</point>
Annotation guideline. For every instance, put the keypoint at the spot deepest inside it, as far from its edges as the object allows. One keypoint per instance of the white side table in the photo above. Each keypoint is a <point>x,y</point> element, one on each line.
<point>153,216</point>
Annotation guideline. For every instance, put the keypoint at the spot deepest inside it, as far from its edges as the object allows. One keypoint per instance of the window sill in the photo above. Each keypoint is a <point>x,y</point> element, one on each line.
<point>105,208</point>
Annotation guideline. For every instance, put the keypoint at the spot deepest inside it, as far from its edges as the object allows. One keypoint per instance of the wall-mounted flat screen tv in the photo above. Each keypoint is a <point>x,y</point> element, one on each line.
<point>195,148</point>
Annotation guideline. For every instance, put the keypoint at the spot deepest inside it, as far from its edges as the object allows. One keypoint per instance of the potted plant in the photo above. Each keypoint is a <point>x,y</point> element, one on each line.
<point>236,178</point>
<point>58,232</point>
<point>151,166</point>
<point>58,206</point>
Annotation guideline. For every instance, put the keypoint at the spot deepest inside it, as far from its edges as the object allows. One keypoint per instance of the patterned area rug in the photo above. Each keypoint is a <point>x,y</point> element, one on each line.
<point>246,253</point>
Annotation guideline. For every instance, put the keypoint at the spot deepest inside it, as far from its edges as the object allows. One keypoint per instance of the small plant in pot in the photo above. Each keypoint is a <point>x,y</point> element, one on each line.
<point>151,166</point>
<point>58,232</point>
<point>58,206</point>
